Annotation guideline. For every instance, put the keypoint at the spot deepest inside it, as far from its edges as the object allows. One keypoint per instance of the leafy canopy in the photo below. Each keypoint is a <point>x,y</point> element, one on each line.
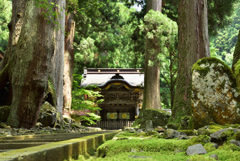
<point>162,30</point>
<point>104,36</point>
<point>5,18</point>
<point>223,45</point>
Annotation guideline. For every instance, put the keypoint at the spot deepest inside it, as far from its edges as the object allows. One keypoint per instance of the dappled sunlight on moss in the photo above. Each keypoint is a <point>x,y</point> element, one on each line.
<point>149,148</point>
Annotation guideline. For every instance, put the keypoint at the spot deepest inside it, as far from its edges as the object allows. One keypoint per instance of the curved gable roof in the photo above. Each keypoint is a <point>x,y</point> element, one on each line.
<point>104,76</point>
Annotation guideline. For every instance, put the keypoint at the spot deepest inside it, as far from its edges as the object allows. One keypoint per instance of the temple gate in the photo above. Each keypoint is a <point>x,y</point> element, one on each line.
<point>123,94</point>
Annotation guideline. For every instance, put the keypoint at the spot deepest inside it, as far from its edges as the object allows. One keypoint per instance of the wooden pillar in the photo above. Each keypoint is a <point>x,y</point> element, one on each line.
<point>134,113</point>
<point>117,115</point>
<point>106,115</point>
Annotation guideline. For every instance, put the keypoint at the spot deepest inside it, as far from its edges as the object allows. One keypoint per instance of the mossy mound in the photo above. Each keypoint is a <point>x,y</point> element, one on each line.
<point>163,149</point>
<point>48,115</point>
<point>158,117</point>
<point>130,146</point>
<point>215,95</point>
<point>114,147</point>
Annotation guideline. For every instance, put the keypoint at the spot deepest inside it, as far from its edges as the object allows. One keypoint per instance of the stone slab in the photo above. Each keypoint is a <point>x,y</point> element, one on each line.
<point>58,151</point>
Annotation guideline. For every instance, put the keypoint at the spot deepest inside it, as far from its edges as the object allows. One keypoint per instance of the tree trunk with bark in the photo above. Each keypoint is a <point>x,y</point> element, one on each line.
<point>1,55</point>
<point>26,64</point>
<point>193,44</point>
<point>57,61</point>
<point>236,54</point>
<point>152,73</point>
<point>68,64</point>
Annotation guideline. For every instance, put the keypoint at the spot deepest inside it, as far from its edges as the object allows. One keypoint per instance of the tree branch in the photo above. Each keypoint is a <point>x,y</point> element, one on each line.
<point>166,81</point>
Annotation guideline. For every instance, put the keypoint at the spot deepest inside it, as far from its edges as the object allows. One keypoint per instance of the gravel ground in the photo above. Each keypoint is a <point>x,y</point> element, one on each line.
<point>68,128</point>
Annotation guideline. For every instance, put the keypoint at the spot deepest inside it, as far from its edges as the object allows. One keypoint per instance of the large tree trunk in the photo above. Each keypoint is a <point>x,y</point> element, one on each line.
<point>68,65</point>
<point>193,44</point>
<point>236,54</point>
<point>27,61</point>
<point>1,55</point>
<point>57,62</point>
<point>155,5</point>
<point>152,73</point>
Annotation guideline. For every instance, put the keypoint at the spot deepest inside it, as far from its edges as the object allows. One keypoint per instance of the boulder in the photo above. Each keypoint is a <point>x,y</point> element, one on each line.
<point>149,124</point>
<point>4,113</point>
<point>183,137</point>
<point>130,129</point>
<point>150,132</point>
<point>160,129</point>
<point>170,134</point>
<point>38,125</point>
<point>196,149</point>
<point>235,142</point>
<point>214,145</point>
<point>174,126</point>
<point>3,125</point>
<point>218,135</point>
<point>215,96</point>
<point>158,117</point>
<point>215,156</point>
<point>68,119</point>
<point>204,131</point>
<point>48,115</point>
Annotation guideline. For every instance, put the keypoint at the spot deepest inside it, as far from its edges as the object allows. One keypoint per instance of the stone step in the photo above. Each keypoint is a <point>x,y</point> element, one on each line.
<point>20,145</point>
<point>59,135</point>
<point>33,147</point>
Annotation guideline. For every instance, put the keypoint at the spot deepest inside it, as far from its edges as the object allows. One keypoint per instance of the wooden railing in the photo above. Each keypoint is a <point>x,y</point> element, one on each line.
<point>113,124</point>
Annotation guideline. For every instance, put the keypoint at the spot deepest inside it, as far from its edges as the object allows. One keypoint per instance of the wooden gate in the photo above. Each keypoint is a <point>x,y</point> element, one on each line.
<point>113,124</point>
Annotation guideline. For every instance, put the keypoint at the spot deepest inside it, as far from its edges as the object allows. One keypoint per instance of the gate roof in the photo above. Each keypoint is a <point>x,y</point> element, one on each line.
<point>101,76</point>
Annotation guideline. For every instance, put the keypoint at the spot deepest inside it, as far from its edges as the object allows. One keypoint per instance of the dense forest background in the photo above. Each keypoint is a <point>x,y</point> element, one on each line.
<point>108,35</point>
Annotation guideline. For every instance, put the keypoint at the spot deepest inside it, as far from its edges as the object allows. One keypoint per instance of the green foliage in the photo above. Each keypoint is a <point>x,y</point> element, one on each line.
<point>219,14</point>
<point>108,36</point>
<point>79,103</point>
<point>5,18</point>
<point>162,31</point>
<point>104,35</point>
<point>200,157</point>
<point>223,45</point>
<point>168,75</point>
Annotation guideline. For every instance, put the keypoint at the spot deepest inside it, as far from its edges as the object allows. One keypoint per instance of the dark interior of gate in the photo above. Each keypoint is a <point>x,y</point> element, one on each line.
<point>123,93</point>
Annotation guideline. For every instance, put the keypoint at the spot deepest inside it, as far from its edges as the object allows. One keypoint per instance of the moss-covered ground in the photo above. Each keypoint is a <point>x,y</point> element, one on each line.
<point>132,146</point>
